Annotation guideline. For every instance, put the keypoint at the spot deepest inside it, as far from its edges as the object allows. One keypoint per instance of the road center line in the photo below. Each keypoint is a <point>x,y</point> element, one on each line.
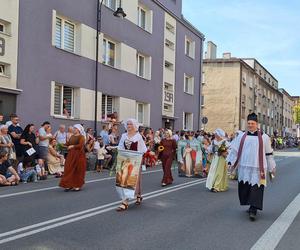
<point>57,187</point>
<point>87,214</point>
<point>271,238</point>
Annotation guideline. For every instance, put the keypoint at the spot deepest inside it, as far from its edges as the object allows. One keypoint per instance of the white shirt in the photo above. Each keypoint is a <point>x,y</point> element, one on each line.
<point>248,166</point>
<point>136,138</point>
<point>61,138</point>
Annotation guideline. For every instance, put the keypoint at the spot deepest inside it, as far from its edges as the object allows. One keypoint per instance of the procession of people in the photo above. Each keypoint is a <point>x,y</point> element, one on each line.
<point>246,156</point>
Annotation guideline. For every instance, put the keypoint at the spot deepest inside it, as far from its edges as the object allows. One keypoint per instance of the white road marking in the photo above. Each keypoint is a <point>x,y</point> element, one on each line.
<point>57,187</point>
<point>86,214</point>
<point>271,238</point>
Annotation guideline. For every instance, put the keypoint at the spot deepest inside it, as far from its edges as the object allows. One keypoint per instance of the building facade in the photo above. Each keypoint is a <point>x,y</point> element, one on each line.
<point>287,113</point>
<point>149,62</point>
<point>235,87</point>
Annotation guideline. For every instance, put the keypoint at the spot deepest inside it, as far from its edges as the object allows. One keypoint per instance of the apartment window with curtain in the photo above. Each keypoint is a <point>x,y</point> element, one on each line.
<point>109,52</point>
<point>65,34</point>
<point>63,100</point>
<point>189,48</point>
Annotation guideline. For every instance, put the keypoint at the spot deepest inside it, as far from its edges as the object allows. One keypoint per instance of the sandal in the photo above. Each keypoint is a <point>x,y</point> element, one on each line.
<point>123,207</point>
<point>76,189</point>
<point>139,200</point>
<point>13,183</point>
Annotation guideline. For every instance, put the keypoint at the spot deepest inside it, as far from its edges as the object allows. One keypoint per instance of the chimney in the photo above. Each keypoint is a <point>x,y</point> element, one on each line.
<point>211,52</point>
<point>226,55</point>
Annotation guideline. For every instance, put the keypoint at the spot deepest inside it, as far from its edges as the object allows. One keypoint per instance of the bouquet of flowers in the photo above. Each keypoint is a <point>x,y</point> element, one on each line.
<point>150,158</point>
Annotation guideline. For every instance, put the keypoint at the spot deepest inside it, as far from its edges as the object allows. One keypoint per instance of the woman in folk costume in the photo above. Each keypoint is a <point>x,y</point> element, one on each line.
<point>251,153</point>
<point>188,160</point>
<point>75,165</point>
<point>217,179</point>
<point>131,140</point>
<point>168,150</point>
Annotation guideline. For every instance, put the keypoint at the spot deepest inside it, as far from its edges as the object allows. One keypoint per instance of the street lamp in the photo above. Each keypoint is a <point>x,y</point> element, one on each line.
<point>118,13</point>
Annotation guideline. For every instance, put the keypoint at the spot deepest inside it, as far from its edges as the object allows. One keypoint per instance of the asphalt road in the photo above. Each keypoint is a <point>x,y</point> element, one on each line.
<point>182,216</point>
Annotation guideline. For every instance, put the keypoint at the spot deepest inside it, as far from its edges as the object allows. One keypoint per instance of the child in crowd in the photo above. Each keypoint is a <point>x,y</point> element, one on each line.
<point>26,171</point>
<point>102,155</point>
<point>40,170</point>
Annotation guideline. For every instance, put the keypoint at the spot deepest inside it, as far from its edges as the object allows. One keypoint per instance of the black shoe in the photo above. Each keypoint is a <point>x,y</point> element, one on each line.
<point>252,216</point>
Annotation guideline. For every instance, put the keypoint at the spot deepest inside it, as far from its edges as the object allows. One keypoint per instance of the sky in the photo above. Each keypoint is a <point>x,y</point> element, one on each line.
<point>267,30</point>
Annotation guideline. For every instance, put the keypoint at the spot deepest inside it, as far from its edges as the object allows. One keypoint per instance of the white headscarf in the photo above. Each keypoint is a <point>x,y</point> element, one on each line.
<point>134,122</point>
<point>220,132</point>
<point>80,128</point>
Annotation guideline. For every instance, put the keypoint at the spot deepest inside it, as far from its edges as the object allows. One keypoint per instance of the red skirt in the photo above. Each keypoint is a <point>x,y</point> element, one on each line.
<point>74,171</point>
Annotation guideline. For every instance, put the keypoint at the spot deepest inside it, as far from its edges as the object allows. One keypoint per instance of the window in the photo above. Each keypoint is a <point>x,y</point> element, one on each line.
<point>244,78</point>
<point>189,85</point>
<point>108,106</point>
<point>250,82</point>
<point>109,52</point>
<point>170,27</point>
<point>63,100</point>
<point>65,34</point>
<point>169,44</point>
<point>168,86</point>
<point>140,113</point>
<point>202,100</point>
<point>2,69</point>
<point>203,78</point>
<point>168,108</point>
<point>187,121</point>
<point>169,65</point>
<point>189,48</point>
<point>243,113</point>
<point>2,27</point>
<point>140,65</point>
<point>112,4</point>
<point>142,17</point>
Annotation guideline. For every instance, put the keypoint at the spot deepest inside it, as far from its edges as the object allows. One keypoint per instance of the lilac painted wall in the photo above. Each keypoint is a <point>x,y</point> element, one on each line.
<point>185,65</point>
<point>40,63</point>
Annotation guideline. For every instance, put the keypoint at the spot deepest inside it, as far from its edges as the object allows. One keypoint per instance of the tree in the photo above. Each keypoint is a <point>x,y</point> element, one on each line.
<point>296,112</point>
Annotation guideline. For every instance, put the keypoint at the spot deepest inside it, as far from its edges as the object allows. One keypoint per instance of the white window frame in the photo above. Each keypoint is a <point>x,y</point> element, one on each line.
<point>106,60</point>
<point>191,52</point>
<point>105,108</point>
<point>140,9</point>
<point>138,66</point>
<point>143,112</point>
<point>62,100</point>
<point>108,4</point>
<point>190,87</point>
<point>62,33</point>
<point>192,121</point>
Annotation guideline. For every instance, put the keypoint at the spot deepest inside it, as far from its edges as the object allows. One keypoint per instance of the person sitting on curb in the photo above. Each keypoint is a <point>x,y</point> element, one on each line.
<point>8,175</point>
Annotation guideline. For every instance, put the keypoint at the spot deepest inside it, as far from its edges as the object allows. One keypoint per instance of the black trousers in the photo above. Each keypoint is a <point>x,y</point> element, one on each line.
<point>251,195</point>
